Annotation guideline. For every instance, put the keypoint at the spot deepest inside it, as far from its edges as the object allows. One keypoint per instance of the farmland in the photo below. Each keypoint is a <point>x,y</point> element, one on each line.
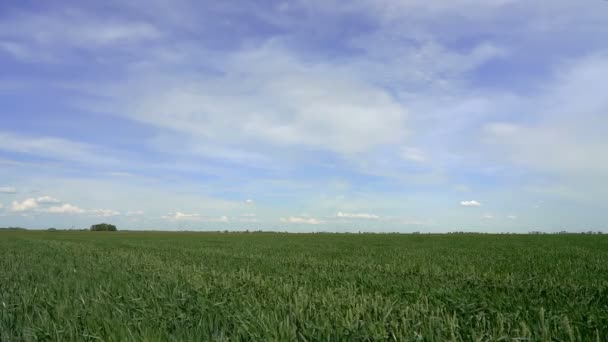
<point>212,286</point>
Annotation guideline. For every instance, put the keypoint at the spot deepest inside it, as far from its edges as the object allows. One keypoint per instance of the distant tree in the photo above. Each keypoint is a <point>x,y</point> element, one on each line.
<point>52,229</point>
<point>13,228</point>
<point>103,227</point>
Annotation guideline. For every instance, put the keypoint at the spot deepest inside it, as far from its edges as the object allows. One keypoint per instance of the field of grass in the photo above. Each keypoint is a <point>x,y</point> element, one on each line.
<point>310,287</point>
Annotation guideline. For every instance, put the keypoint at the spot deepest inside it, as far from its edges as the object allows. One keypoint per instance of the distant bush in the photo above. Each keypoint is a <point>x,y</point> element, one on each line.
<point>103,227</point>
<point>13,228</point>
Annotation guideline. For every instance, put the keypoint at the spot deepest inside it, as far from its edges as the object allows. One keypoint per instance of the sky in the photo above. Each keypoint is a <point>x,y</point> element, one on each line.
<point>305,116</point>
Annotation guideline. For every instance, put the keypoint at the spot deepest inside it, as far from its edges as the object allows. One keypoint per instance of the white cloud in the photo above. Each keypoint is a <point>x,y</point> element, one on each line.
<point>47,200</point>
<point>134,213</point>
<point>179,216</point>
<point>102,212</point>
<point>301,220</point>
<point>512,217</point>
<point>290,102</point>
<point>65,209</point>
<point>7,190</point>
<point>471,203</point>
<point>25,205</point>
<point>487,217</point>
<point>357,216</point>
<point>249,202</point>
<point>1,205</point>
<point>32,203</point>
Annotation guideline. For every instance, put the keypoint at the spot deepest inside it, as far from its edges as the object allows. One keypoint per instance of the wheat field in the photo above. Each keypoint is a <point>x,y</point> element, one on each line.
<point>160,286</point>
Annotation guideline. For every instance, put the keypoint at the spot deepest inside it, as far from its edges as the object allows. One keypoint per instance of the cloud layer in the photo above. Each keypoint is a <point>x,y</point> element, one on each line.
<point>377,115</point>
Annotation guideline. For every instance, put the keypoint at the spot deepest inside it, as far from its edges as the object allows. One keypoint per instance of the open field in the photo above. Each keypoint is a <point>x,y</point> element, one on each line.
<point>211,286</point>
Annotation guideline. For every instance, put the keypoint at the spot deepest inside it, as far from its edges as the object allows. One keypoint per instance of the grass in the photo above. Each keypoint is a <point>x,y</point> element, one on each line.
<point>211,286</point>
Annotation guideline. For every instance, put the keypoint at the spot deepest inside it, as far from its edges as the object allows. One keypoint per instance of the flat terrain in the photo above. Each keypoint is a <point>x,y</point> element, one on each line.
<point>210,286</point>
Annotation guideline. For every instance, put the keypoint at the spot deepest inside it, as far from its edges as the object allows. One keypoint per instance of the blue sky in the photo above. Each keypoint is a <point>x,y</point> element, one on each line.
<point>378,115</point>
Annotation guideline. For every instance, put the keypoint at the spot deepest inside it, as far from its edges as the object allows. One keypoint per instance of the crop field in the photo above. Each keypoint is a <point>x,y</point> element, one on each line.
<point>132,286</point>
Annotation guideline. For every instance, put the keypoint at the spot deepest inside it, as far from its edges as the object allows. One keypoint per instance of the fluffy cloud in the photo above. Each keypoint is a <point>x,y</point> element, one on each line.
<point>41,205</point>
<point>32,203</point>
<point>65,209</point>
<point>134,213</point>
<point>249,202</point>
<point>301,220</point>
<point>8,190</point>
<point>25,205</point>
<point>512,217</point>
<point>471,203</point>
<point>357,216</point>
<point>179,216</point>
<point>47,200</point>
<point>487,217</point>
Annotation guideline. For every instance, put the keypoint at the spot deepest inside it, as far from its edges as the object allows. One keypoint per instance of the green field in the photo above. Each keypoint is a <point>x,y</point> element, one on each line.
<point>309,287</point>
